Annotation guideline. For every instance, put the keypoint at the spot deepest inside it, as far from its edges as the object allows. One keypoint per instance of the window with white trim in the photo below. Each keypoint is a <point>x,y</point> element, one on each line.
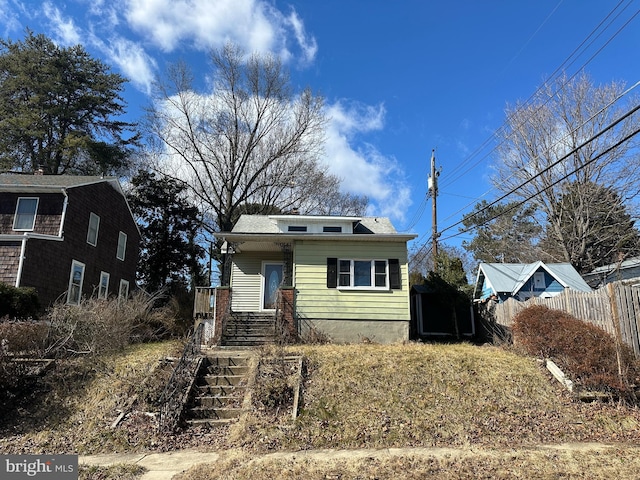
<point>74,292</point>
<point>123,291</point>
<point>103,288</point>
<point>92,233</point>
<point>122,245</point>
<point>362,274</point>
<point>25,217</point>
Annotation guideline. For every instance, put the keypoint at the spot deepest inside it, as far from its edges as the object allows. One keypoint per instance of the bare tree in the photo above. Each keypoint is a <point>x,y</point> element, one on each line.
<point>560,138</point>
<point>249,140</point>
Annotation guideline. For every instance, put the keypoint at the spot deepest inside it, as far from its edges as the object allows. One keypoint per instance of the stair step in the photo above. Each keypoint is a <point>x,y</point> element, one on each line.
<point>236,361</point>
<point>210,422</point>
<point>214,413</point>
<point>218,401</point>
<point>221,390</point>
<point>247,343</point>
<point>233,370</point>
<point>231,380</point>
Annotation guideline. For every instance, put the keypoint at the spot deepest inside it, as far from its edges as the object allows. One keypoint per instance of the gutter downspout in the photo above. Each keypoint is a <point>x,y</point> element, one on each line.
<point>64,212</point>
<point>25,237</point>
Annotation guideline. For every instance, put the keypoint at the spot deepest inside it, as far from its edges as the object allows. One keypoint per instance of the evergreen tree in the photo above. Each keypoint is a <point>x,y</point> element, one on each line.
<point>502,233</point>
<point>56,110</point>
<point>170,256</point>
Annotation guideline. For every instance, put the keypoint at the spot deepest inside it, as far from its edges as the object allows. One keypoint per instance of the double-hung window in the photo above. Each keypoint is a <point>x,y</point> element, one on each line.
<point>92,233</point>
<point>363,274</point>
<point>103,288</point>
<point>25,217</point>
<point>74,293</point>
<point>122,246</point>
<point>123,292</point>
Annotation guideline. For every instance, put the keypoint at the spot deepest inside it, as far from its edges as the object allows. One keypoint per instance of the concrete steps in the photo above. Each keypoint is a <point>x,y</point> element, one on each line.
<point>221,388</point>
<point>249,330</point>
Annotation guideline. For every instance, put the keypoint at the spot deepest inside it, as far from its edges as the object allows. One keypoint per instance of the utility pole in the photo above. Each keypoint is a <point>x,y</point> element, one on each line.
<point>433,191</point>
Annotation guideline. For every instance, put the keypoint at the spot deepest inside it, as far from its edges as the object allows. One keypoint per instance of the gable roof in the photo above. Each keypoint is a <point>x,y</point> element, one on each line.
<point>510,277</point>
<point>22,183</point>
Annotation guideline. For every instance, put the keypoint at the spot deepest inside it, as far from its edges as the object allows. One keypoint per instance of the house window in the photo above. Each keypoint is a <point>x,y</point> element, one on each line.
<point>363,274</point>
<point>25,217</point>
<point>296,228</point>
<point>74,292</point>
<point>538,281</point>
<point>92,233</point>
<point>332,229</point>
<point>103,288</point>
<point>122,245</point>
<point>123,291</point>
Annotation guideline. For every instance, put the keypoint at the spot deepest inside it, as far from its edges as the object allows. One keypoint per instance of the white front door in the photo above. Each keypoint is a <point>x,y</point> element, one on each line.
<point>271,280</point>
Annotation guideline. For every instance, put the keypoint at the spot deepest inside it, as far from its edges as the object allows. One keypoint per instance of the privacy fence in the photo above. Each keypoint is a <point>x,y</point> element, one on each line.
<point>615,308</point>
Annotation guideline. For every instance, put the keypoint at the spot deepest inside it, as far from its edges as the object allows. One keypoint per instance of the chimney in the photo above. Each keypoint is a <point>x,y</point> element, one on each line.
<point>294,211</point>
<point>39,171</point>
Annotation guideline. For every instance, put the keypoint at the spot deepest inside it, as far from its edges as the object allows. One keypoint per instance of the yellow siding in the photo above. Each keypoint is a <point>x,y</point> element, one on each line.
<point>315,300</point>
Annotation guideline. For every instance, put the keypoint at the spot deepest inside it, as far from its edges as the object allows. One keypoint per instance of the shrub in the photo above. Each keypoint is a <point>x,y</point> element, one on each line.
<point>99,326</point>
<point>587,353</point>
<point>19,303</point>
<point>22,337</point>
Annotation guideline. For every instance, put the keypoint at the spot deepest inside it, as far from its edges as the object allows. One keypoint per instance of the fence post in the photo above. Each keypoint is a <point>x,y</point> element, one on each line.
<point>616,326</point>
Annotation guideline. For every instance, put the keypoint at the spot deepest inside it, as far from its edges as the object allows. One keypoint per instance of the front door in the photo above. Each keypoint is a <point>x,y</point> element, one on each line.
<point>271,278</point>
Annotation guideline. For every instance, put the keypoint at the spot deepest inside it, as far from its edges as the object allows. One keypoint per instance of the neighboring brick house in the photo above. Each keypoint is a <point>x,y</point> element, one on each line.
<point>67,236</point>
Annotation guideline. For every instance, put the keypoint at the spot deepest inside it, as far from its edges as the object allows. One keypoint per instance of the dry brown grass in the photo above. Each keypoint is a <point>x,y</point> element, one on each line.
<point>492,407</point>
<point>113,472</point>
<point>73,407</point>
<point>374,396</point>
<point>544,463</point>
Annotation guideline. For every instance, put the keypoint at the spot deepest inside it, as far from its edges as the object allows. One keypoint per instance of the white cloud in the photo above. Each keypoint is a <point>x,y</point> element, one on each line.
<point>133,61</point>
<point>254,25</point>
<point>364,170</point>
<point>309,45</point>
<point>8,18</point>
<point>65,30</point>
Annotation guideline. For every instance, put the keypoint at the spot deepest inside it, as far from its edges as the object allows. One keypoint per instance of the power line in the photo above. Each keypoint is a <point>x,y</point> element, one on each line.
<point>452,177</point>
<point>554,183</point>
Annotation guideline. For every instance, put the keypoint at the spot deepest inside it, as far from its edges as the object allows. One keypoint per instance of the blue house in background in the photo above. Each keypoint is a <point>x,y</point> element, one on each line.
<point>522,281</point>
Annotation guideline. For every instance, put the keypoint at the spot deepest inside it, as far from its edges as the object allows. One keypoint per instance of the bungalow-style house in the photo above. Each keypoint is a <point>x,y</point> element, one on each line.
<point>627,270</point>
<point>346,277</point>
<point>67,236</point>
<point>522,281</point>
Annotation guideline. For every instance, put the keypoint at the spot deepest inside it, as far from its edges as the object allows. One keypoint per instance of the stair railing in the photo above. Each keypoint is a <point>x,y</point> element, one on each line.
<point>179,386</point>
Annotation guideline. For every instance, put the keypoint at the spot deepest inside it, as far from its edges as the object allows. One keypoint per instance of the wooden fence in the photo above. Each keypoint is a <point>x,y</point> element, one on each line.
<point>615,308</point>
<point>204,302</point>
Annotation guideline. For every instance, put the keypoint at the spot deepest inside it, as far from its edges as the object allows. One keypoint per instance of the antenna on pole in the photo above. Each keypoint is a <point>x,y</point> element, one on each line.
<point>433,191</point>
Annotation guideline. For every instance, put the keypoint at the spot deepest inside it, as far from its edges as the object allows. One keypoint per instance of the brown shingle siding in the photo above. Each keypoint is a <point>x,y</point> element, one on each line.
<point>9,260</point>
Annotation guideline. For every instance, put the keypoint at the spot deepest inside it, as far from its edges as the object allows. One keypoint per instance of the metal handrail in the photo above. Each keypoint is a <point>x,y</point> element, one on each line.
<point>179,385</point>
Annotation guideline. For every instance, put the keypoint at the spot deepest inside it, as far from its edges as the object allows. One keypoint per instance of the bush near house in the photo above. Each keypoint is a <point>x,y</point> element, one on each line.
<point>590,356</point>
<point>18,302</point>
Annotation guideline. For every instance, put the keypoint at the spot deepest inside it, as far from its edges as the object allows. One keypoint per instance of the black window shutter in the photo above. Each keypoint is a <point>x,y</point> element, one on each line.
<point>332,272</point>
<point>395,280</point>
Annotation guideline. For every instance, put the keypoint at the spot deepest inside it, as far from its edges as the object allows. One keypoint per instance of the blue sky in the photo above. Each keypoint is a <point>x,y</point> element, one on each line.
<point>400,78</point>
